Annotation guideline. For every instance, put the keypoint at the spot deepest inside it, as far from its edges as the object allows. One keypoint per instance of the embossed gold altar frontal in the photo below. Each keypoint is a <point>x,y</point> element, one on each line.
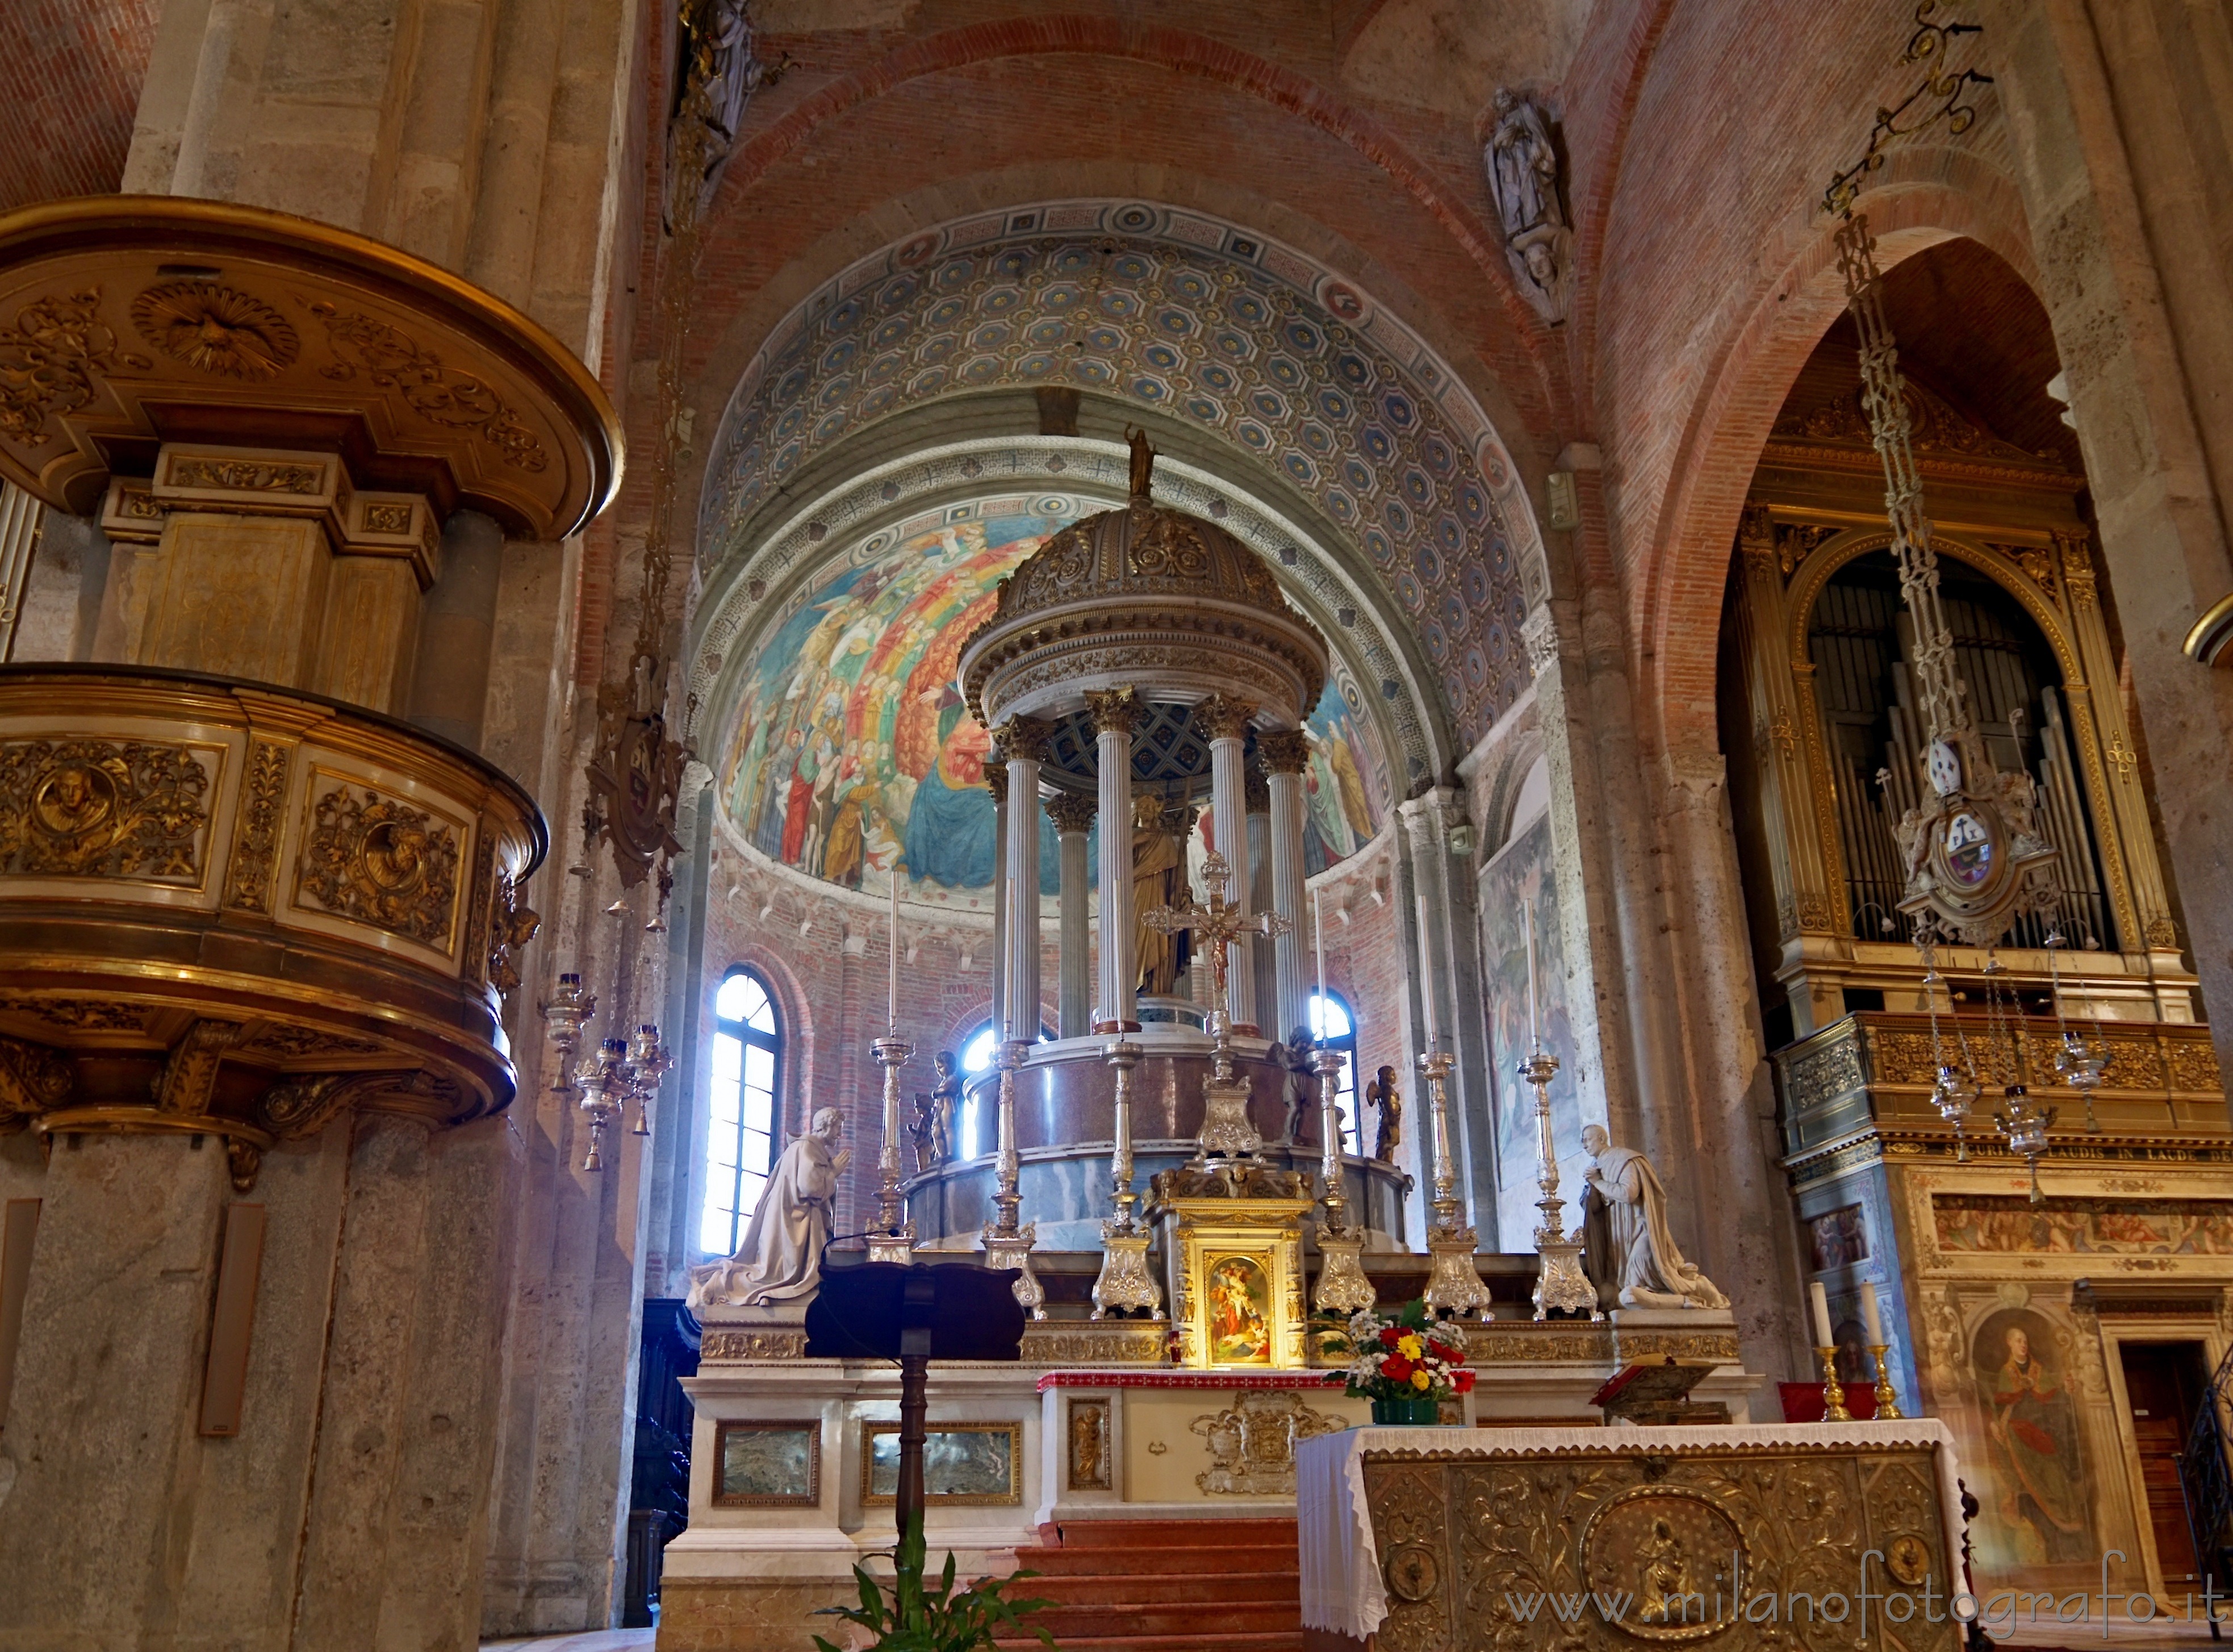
<point>1236,1269</point>
<point>128,321</point>
<point>1804,1535</point>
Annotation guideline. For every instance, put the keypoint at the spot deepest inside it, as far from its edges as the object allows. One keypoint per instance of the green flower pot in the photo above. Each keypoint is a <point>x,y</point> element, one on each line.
<point>1425,1408</point>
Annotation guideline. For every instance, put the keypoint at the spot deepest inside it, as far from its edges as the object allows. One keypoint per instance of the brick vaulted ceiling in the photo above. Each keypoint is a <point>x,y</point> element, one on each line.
<point>70,72</point>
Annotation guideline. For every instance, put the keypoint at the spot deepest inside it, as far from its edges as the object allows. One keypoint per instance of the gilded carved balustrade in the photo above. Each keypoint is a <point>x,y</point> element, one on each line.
<point>234,910</point>
<point>1860,1089</point>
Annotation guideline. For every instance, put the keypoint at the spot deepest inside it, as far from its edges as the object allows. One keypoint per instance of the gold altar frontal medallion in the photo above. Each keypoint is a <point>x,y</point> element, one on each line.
<point>1907,1557</point>
<point>1671,1550</point>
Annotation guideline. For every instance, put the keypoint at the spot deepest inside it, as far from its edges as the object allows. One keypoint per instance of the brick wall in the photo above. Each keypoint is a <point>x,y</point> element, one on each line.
<point>70,80</point>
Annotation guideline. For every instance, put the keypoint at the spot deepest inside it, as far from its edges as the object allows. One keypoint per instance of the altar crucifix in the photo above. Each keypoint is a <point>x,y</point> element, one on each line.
<point>1215,925</point>
<point>1226,1130</point>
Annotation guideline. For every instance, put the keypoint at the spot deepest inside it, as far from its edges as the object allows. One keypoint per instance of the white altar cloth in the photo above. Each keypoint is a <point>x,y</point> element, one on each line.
<point>1341,1585</point>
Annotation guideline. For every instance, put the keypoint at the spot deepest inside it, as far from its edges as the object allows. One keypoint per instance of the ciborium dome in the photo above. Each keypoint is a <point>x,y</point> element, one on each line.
<point>1148,598</point>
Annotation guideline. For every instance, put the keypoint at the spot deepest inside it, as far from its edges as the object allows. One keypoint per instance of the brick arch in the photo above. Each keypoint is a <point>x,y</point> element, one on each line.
<point>1178,51</point>
<point>1930,196</point>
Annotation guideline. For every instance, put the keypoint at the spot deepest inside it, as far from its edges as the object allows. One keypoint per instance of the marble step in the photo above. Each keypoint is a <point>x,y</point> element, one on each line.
<point>1167,1534</point>
<point>1208,1554</point>
<point>1146,1588</point>
<point>1243,1641</point>
<point>1081,1625</point>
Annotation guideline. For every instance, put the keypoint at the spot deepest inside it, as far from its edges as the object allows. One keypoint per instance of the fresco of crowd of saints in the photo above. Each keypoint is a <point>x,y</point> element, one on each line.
<point>2039,1513</point>
<point>1988,1223</point>
<point>853,754</point>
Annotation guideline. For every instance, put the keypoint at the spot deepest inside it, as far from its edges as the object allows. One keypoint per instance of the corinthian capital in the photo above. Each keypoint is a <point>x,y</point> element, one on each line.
<point>1023,739</point>
<point>1223,717</point>
<point>1285,751</point>
<point>1115,711</point>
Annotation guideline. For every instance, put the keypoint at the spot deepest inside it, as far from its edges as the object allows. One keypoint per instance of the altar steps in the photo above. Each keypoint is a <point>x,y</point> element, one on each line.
<point>1166,1586</point>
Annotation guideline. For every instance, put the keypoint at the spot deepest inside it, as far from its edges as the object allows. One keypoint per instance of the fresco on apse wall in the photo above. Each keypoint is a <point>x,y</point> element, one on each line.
<point>2176,1227</point>
<point>852,752</point>
<point>2037,1508</point>
<point>1521,873</point>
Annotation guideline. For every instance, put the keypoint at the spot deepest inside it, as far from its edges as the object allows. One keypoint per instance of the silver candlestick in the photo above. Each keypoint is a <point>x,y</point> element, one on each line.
<point>1342,1286</point>
<point>894,1239</point>
<point>1453,1286</point>
<point>1127,1284</point>
<point>1561,1285</point>
<point>1007,1246</point>
<point>568,1013</point>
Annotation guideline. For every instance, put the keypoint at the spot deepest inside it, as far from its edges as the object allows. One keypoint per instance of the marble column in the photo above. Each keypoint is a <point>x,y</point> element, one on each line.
<point>1226,722</point>
<point>1446,954</point>
<point>1073,822</point>
<point>1255,947</point>
<point>996,782</point>
<point>1025,740</point>
<point>1114,714</point>
<point>1286,754</point>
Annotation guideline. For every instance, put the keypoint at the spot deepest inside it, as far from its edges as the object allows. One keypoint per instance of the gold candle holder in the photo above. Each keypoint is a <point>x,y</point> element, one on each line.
<point>1833,1391</point>
<point>1887,1400</point>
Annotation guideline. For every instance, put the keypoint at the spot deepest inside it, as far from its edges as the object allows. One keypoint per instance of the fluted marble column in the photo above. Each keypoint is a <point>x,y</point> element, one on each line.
<point>1025,740</point>
<point>1285,755</point>
<point>1073,821</point>
<point>996,782</point>
<point>1256,948</point>
<point>1116,713</point>
<point>1226,722</point>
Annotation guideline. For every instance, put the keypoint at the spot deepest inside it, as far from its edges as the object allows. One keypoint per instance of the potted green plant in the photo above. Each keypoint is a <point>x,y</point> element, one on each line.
<point>911,1617</point>
<point>1402,1364</point>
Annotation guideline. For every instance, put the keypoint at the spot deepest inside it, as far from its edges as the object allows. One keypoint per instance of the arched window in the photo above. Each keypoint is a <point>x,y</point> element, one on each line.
<point>747,1078</point>
<point>974,1132</point>
<point>1332,1024</point>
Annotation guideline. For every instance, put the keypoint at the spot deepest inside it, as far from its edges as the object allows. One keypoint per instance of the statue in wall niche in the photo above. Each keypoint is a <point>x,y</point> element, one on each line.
<point>1627,1250</point>
<point>1381,1093</point>
<point>1521,159</point>
<point>780,1259</point>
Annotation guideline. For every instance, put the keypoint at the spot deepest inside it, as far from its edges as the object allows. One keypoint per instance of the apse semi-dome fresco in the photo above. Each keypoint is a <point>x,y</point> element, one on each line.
<point>851,751</point>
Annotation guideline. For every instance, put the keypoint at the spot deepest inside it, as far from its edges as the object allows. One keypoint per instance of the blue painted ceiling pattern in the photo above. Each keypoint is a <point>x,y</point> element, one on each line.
<point>1247,338</point>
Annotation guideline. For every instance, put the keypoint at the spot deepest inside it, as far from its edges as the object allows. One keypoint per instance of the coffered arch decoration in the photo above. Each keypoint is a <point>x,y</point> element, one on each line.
<point>1259,347</point>
<point>844,627</point>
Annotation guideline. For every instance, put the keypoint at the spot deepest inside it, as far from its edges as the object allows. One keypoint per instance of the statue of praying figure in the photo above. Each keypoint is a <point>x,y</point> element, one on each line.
<point>1628,1251</point>
<point>780,1259</point>
<point>1381,1093</point>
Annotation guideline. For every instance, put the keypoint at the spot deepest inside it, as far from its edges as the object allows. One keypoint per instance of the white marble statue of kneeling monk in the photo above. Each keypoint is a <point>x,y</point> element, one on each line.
<point>1637,1261</point>
<point>780,1259</point>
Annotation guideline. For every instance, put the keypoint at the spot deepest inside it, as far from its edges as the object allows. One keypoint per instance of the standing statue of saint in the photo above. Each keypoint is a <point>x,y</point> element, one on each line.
<point>945,1100</point>
<point>1298,1089</point>
<point>1628,1251</point>
<point>1159,879</point>
<point>780,1257</point>
<point>1523,167</point>
<point>1381,1093</point>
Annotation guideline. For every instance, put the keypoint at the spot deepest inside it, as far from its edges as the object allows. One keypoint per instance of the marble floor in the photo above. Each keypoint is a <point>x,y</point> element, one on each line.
<point>594,1640</point>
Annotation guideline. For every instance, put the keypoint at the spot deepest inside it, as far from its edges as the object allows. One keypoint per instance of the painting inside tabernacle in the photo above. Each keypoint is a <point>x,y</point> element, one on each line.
<point>1985,1222</point>
<point>1240,1294</point>
<point>853,752</point>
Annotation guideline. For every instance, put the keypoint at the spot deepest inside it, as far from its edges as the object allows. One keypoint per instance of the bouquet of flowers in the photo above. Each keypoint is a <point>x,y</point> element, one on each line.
<point>1403,1358</point>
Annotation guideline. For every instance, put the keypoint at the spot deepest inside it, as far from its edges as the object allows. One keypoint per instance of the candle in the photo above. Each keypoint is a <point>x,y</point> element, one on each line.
<point>1426,978</point>
<point>1534,1031</point>
<point>1317,935</point>
<point>1871,1316</point>
<point>892,996</point>
<point>1820,1300</point>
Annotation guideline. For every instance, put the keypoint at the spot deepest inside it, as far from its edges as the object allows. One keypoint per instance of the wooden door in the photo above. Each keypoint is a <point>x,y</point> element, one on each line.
<point>2164,1384</point>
